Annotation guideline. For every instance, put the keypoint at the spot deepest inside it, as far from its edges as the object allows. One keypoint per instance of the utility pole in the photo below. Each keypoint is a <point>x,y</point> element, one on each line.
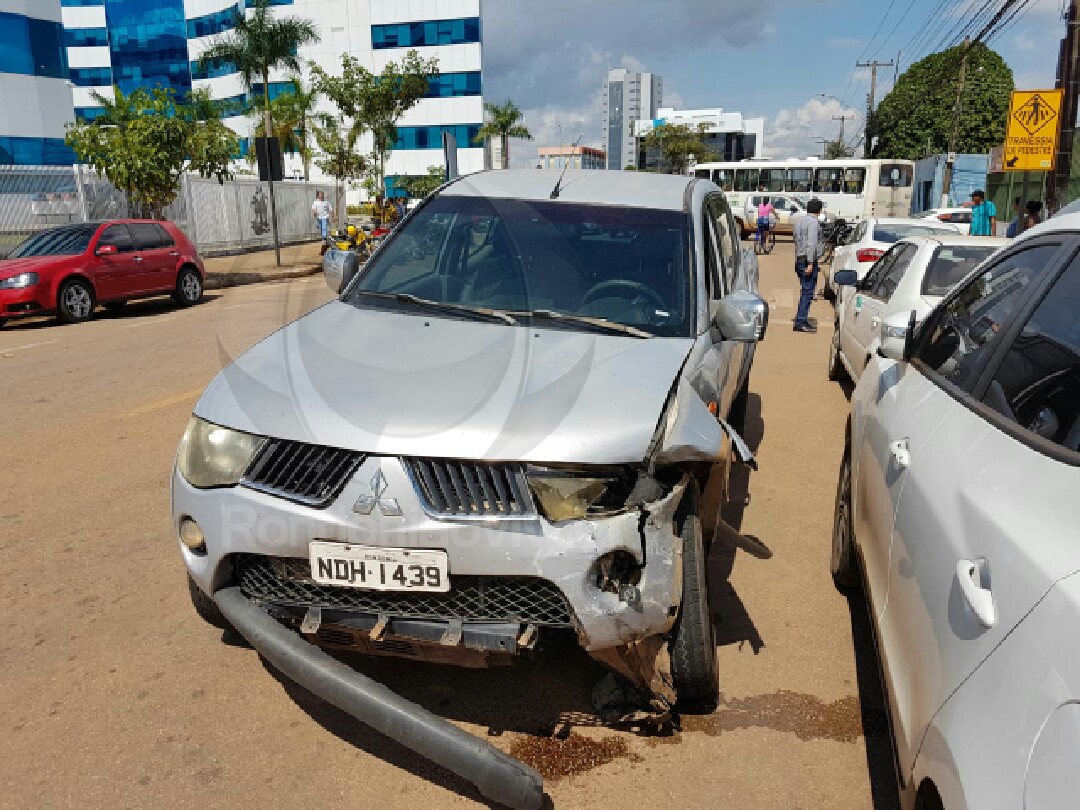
<point>1068,79</point>
<point>842,119</point>
<point>824,143</point>
<point>954,135</point>
<point>871,99</point>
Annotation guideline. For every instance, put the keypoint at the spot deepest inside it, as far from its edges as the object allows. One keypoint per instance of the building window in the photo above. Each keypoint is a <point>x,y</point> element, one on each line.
<point>88,113</point>
<point>452,85</point>
<point>426,33</point>
<point>253,3</point>
<point>214,23</point>
<point>214,70</point>
<point>32,47</point>
<point>91,77</point>
<point>148,45</point>
<point>431,137</point>
<point>86,37</point>
<point>35,152</point>
<point>81,3</point>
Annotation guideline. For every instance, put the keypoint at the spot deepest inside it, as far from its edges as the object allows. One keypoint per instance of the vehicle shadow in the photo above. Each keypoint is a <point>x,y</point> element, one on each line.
<point>873,712</point>
<point>133,309</point>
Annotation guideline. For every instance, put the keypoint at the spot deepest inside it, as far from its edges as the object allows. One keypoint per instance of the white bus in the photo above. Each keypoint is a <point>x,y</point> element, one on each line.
<point>851,188</point>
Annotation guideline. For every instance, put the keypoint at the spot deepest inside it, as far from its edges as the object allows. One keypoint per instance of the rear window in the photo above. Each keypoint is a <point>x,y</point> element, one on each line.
<point>894,233</point>
<point>69,241</point>
<point>895,175</point>
<point>951,265</point>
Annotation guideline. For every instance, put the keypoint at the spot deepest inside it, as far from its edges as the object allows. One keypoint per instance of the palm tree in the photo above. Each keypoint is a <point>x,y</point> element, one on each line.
<point>504,123</point>
<point>293,114</point>
<point>259,44</point>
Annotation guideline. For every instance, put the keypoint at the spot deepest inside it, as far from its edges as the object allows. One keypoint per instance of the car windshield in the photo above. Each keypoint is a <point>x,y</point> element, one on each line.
<point>627,266</point>
<point>69,241</point>
<point>951,265</point>
<point>895,232</point>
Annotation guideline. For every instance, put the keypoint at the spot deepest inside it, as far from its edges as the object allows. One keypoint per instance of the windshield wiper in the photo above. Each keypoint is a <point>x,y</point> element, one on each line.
<point>598,323</point>
<point>476,312</point>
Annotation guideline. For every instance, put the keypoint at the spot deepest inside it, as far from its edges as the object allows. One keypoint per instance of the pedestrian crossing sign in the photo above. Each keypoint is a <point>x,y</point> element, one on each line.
<point>1032,133</point>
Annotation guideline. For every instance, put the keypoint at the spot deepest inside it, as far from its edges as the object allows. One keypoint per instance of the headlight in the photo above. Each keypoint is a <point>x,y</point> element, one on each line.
<point>566,494</point>
<point>898,332</point>
<point>19,281</point>
<point>213,456</point>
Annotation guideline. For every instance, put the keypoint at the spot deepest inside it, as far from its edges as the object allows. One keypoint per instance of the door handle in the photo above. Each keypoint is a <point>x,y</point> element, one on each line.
<point>875,323</point>
<point>174,253</point>
<point>901,454</point>
<point>137,258</point>
<point>974,577</point>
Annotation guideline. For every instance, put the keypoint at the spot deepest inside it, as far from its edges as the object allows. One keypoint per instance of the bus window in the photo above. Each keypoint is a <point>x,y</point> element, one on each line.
<point>772,179</point>
<point>895,175</point>
<point>798,180</point>
<point>854,181</point>
<point>724,178</point>
<point>828,181</point>
<point>702,174</point>
<point>746,179</point>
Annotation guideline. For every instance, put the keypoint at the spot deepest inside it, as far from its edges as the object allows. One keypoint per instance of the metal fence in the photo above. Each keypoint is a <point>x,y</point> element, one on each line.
<point>217,217</point>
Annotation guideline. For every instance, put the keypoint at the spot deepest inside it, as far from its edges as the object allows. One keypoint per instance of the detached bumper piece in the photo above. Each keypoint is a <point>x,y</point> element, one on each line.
<point>498,777</point>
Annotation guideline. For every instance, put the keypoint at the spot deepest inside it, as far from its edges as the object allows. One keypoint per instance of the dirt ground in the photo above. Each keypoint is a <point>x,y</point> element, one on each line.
<point>114,694</point>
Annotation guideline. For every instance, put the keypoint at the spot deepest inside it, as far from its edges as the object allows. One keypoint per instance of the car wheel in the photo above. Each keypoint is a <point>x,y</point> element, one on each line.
<point>694,667</point>
<point>114,306</point>
<point>844,566</point>
<point>189,288</point>
<point>206,607</point>
<point>737,414</point>
<point>2,322</point>
<point>837,372</point>
<point>75,303</point>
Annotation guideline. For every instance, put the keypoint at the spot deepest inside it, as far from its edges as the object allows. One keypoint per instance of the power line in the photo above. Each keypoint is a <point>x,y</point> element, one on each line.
<point>899,22</point>
<point>866,50</point>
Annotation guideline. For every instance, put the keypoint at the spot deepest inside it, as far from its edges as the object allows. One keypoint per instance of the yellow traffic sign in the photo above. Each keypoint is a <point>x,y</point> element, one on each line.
<point>1032,133</point>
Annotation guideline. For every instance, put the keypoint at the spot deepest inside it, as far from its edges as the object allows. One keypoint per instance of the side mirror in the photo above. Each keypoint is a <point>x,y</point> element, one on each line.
<point>894,336</point>
<point>741,317</point>
<point>106,250</point>
<point>845,278</point>
<point>339,268</point>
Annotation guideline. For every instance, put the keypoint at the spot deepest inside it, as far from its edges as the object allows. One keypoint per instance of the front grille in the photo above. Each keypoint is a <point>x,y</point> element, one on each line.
<point>471,488</point>
<point>287,581</point>
<point>304,473</point>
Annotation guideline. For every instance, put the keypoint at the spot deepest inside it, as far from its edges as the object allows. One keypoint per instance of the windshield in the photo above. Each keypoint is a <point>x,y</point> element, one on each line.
<point>56,242</point>
<point>629,266</point>
<point>894,233</point>
<point>951,265</point>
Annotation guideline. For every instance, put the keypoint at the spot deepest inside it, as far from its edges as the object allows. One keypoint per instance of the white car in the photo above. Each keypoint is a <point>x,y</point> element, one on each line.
<point>957,511</point>
<point>913,276</point>
<point>869,241</point>
<point>957,216</point>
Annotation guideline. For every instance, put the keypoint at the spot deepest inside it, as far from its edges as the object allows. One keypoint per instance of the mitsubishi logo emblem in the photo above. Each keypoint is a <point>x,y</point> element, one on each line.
<point>366,504</point>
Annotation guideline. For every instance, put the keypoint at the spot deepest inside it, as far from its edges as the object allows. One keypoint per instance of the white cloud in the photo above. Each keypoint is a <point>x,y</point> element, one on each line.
<point>1024,42</point>
<point>795,133</point>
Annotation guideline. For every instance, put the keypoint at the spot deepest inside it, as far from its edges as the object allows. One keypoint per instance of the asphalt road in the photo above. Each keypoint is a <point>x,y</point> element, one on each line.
<point>114,694</point>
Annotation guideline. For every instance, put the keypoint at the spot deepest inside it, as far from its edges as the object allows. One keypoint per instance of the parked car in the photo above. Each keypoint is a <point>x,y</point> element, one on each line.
<point>786,207</point>
<point>71,269</point>
<point>956,511</point>
<point>508,424</point>
<point>913,276</point>
<point>960,217</point>
<point>869,241</point>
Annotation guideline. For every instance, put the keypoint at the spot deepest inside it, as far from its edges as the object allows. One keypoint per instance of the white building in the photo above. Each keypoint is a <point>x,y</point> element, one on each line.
<point>628,97</point>
<point>143,43</point>
<point>35,97</point>
<point>572,157</point>
<point>729,135</point>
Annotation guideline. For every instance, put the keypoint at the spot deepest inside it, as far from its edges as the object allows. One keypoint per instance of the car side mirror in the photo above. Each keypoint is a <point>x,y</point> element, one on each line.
<point>106,250</point>
<point>794,209</point>
<point>741,317</point>
<point>895,336</point>
<point>846,278</point>
<point>339,268</point>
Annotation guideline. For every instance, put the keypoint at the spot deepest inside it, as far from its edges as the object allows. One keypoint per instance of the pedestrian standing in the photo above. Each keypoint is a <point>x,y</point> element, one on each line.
<point>1032,214</point>
<point>808,250</point>
<point>322,211</point>
<point>1014,227</point>
<point>399,207</point>
<point>983,215</point>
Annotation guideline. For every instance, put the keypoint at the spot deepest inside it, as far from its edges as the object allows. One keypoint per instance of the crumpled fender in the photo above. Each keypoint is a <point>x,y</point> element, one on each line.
<point>691,433</point>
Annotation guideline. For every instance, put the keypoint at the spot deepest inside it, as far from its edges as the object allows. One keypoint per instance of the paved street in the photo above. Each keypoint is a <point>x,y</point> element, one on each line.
<point>114,694</point>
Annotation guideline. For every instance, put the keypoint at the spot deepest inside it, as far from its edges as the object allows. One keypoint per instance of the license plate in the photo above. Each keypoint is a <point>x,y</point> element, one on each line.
<point>379,569</point>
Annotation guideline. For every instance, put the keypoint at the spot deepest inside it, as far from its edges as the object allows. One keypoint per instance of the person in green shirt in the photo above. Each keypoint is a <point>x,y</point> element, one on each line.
<point>983,215</point>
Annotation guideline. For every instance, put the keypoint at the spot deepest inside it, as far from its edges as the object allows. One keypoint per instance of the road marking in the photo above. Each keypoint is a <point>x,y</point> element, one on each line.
<point>150,319</point>
<point>164,403</point>
<point>13,349</point>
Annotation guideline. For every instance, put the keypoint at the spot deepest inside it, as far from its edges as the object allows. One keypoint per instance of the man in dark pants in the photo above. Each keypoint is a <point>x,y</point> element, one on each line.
<point>807,252</point>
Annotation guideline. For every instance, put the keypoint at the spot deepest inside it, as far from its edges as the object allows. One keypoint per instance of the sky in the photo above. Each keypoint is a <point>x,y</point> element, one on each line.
<point>763,58</point>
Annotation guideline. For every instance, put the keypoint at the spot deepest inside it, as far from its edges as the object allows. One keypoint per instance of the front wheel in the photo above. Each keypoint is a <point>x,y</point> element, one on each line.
<point>844,566</point>
<point>75,304</point>
<point>189,288</point>
<point>694,666</point>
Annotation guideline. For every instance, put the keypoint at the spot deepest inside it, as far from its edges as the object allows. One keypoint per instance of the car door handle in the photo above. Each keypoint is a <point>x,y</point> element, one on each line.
<point>974,577</point>
<point>137,258</point>
<point>875,323</point>
<point>901,454</point>
<point>174,253</point>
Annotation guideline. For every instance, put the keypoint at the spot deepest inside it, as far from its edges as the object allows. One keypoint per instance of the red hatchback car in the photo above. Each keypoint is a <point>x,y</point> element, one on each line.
<point>71,269</point>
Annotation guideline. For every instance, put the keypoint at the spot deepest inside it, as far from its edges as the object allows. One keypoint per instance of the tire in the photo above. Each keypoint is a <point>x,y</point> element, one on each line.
<point>827,292</point>
<point>837,372</point>
<point>694,667</point>
<point>737,414</point>
<point>114,306</point>
<point>206,607</point>
<point>2,322</point>
<point>75,302</point>
<point>843,565</point>
<point>770,241</point>
<point>189,287</point>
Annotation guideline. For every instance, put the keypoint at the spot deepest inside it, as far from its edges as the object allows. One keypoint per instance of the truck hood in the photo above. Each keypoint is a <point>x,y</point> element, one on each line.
<point>410,385</point>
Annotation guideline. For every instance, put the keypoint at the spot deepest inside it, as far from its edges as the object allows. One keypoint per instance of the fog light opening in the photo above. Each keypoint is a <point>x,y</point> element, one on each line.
<point>192,536</point>
<point>619,573</point>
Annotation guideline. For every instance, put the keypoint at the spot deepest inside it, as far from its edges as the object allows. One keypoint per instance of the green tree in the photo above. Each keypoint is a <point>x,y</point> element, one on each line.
<point>504,123</point>
<point>293,115</point>
<point>338,155</point>
<point>376,101</point>
<point>915,118</point>
<point>419,187</point>
<point>835,150</point>
<point>146,140</point>
<point>677,143</point>
<point>257,45</point>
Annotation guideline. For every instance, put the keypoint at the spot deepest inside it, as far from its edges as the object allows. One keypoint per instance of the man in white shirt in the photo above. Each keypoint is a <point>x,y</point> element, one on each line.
<point>322,211</point>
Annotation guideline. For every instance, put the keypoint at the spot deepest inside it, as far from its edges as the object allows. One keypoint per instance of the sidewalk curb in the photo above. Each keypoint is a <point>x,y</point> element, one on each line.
<point>221,281</point>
